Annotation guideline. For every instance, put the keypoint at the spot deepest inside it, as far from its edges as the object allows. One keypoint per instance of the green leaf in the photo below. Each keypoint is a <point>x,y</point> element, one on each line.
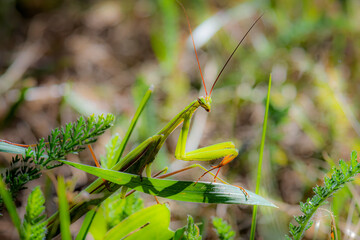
<point>64,210</point>
<point>331,185</point>
<point>99,227</point>
<point>111,148</point>
<point>262,145</point>
<point>10,205</point>
<point>343,166</point>
<point>223,229</point>
<point>112,211</point>
<point>202,192</point>
<point>35,206</point>
<point>192,231</point>
<point>34,225</point>
<point>86,225</point>
<point>149,223</point>
<point>10,148</point>
<point>120,151</point>
<point>117,209</point>
<point>189,232</point>
<point>179,233</point>
<point>353,160</point>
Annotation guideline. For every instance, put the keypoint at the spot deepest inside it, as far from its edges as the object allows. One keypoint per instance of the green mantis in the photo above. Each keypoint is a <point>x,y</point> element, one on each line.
<point>141,157</point>
<point>146,152</point>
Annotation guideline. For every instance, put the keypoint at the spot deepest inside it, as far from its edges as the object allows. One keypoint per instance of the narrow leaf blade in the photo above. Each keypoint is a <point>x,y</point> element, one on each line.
<point>10,205</point>
<point>9,148</point>
<point>86,225</point>
<point>149,223</point>
<point>64,210</point>
<point>202,192</point>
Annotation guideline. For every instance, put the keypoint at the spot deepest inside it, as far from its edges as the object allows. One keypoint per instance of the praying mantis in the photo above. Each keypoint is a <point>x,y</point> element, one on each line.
<point>142,156</point>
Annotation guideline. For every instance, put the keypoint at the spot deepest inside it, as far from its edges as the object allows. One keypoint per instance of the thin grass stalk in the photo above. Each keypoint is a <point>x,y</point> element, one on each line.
<point>10,205</point>
<point>258,178</point>
<point>64,210</point>
<point>133,123</point>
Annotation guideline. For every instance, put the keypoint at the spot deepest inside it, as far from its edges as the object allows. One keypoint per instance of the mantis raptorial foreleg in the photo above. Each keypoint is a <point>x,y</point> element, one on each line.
<point>225,151</point>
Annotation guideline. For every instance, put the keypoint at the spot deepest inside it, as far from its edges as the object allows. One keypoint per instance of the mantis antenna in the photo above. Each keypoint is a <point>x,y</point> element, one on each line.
<point>232,54</point>
<point>193,42</point>
<point>227,61</point>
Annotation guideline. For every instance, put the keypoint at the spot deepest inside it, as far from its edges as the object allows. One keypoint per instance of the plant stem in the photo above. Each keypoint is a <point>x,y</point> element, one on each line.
<point>253,225</point>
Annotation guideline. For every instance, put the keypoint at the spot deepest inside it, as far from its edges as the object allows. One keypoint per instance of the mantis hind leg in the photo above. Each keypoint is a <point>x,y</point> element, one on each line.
<point>162,174</point>
<point>206,171</point>
<point>94,156</point>
<point>225,161</point>
<point>98,165</point>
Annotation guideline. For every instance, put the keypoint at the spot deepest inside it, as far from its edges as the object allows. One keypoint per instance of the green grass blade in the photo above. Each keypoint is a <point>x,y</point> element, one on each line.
<point>10,205</point>
<point>133,123</point>
<point>86,225</point>
<point>253,224</point>
<point>9,148</point>
<point>64,210</point>
<point>202,192</point>
<point>149,223</point>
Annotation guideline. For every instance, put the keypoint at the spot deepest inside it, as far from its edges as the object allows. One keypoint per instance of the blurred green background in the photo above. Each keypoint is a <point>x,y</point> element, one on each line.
<point>60,59</point>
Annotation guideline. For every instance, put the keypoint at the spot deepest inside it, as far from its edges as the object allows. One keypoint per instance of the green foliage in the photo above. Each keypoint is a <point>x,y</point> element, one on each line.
<point>10,205</point>
<point>117,209</point>
<point>261,153</point>
<point>119,218</point>
<point>69,139</point>
<point>341,175</point>
<point>202,192</point>
<point>21,171</point>
<point>223,229</point>
<point>114,210</point>
<point>111,148</point>
<point>34,224</point>
<point>85,227</point>
<point>189,232</point>
<point>64,210</point>
<point>149,223</point>
<point>114,154</point>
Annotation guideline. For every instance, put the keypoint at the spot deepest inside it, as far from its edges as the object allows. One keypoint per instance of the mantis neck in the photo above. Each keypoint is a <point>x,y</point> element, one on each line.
<point>178,119</point>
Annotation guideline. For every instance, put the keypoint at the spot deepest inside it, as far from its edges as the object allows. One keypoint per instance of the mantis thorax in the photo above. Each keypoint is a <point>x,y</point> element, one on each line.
<point>205,102</point>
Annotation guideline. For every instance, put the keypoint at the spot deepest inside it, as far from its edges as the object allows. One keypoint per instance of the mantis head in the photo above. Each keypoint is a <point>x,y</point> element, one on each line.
<point>205,103</point>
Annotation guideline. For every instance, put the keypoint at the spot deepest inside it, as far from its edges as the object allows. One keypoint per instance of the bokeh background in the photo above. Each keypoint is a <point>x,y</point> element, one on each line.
<point>60,59</point>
